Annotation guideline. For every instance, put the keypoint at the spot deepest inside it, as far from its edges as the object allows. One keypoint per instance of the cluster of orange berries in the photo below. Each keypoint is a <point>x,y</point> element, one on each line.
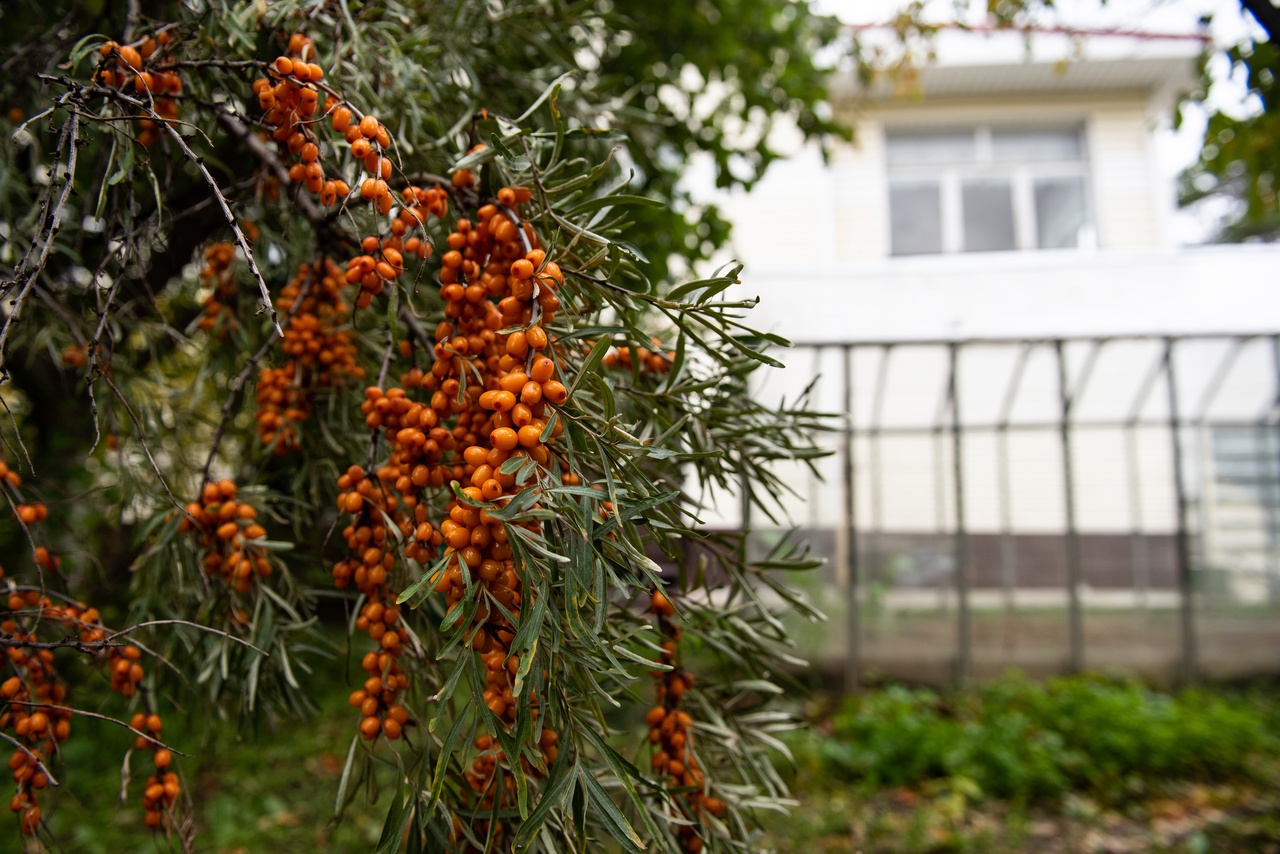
<point>32,702</point>
<point>671,730</point>
<point>373,550</point>
<point>29,514</point>
<point>382,259</point>
<point>129,68</point>
<point>321,352</point>
<point>162,788</point>
<point>75,356</point>
<point>481,416</point>
<point>290,99</point>
<point>26,699</point>
<point>229,535</point>
<point>216,275</point>
<point>654,361</point>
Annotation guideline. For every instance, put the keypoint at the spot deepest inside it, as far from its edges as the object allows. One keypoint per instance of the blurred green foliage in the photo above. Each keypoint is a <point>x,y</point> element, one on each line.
<point>1026,741</point>
<point>1241,154</point>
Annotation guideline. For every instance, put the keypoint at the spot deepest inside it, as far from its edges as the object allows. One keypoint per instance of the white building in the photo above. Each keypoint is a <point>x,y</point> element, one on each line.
<point>1026,201</point>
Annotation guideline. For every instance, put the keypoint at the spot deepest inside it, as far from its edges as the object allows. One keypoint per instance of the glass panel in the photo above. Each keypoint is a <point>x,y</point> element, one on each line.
<point>1060,213</point>
<point>1036,145</point>
<point>915,217</point>
<point>988,214</point>
<point>910,149</point>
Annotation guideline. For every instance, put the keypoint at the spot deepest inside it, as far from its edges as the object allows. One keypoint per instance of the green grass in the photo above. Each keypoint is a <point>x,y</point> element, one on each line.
<point>1079,764</point>
<point>269,790</point>
<point>1025,741</point>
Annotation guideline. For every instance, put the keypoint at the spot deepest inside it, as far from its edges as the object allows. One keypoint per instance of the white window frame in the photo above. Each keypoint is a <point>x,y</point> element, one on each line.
<point>1021,174</point>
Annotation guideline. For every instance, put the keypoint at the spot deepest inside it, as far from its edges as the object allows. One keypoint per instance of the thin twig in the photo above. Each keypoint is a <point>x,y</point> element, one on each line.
<point>142,439</point>
<point>67,318</point>
<point>213,63</point>
<point>53,781</point>
<point>415,326</point>
<point>18,435</point>
<point>51,215</point>
<point>87,714</point>
<point>169,127</point>
<point>204,628</point>
<point>79,645</point>
<point>382,378</point>
<point>386,357</point>
<point>263,152</point>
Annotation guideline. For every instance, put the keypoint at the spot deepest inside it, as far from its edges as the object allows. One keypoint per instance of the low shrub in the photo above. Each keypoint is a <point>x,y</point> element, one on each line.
<point>1024,741</point>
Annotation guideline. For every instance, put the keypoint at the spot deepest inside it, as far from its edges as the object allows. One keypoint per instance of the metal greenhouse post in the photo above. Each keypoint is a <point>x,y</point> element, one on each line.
<point>853,615</point>
<point>1185,585</point>
<point>964,640</point>
<point>1075,618</point>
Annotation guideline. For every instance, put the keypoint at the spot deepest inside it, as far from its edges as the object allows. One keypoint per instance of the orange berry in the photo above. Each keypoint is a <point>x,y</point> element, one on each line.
<point>131,57</point>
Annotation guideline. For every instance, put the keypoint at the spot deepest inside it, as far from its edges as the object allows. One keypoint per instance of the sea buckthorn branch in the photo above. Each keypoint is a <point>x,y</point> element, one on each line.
<point>529,589</point>
<point>236,386</point>
<point>167,124</point>
<point>50,221</point>
<point>473,384</point>
<point>321,353</point>
<point>32,698</point>
<point>671,733</point>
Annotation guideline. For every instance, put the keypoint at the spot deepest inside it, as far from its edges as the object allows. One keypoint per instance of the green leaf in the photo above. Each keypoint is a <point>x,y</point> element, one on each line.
<point>397,817</point>
<point>447,748</point>
<point>618,200</point>
<point>590,363</point>
<point>559,785</point>
<point>345,780</point>
<point>611,817</point>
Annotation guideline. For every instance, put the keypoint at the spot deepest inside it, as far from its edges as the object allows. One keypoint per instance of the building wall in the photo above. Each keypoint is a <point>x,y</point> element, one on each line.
<point>814,238</point>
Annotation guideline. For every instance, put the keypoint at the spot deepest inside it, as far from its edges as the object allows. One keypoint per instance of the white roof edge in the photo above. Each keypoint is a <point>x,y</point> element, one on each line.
<point>1083,76</point>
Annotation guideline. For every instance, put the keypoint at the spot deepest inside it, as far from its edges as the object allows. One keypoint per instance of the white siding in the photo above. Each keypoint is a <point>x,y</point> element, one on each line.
<point>1124,193</point>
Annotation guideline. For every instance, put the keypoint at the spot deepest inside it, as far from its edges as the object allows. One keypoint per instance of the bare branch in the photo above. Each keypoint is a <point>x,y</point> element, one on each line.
<point>212,183</point>
<point>142,439</point>
<point>51,216</point>
<point>84,713</point>
<point>209,629</point>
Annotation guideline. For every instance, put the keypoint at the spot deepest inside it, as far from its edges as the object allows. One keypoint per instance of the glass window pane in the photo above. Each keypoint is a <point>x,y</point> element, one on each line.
<point>988,214</point>
<point>1060,212</point>
<point>1036,145</point>
<point>915,217</point>
<point>911,149</point>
